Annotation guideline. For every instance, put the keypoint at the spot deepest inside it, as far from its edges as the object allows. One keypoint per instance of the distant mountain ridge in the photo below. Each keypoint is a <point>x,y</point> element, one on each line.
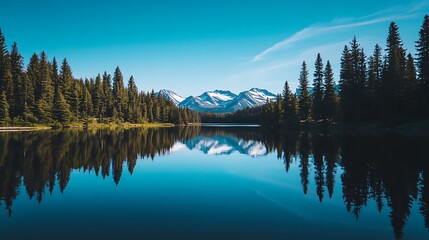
<point>220,101</point>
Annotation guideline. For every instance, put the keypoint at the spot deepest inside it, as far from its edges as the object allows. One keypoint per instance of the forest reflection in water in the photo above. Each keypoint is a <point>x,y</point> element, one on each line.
<point>390,169</point>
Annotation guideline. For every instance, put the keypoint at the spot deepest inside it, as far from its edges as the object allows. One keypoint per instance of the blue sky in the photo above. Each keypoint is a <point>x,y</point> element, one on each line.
<point>194,46</point>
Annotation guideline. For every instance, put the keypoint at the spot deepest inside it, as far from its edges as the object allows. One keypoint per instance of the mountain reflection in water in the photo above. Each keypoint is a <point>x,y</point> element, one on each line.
<point>390,170</point>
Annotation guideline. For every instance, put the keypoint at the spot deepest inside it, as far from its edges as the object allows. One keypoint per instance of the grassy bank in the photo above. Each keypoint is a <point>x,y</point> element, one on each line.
<point>84,125</point>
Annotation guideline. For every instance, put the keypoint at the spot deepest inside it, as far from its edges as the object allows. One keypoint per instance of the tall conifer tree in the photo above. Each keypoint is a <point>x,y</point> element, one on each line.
<point>346,86</point>
<point>304,95</point>
<point>330,99</point>
<point>393,76</point>
<point>373,87</point>
<point>97,97</point>
<point>317,96</point>
<point>423,67</point>
<point>107,96</point>
<point>119,93</point>
<point>17,70</point>
<point>6,83</point>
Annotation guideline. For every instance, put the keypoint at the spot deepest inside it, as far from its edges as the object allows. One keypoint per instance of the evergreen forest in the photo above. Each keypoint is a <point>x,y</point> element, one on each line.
<point>46,93</point>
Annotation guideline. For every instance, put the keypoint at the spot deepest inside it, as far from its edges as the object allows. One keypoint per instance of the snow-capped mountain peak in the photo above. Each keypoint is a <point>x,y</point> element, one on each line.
<point>220,101</point>
<point>172,96</point>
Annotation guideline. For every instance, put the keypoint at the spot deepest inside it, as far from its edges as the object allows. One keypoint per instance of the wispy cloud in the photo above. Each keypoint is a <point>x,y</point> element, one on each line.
<point>408,12</point>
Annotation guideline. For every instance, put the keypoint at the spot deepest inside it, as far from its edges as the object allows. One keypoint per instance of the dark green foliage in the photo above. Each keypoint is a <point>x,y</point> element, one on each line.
<point>373,87</point>
<point>107,105</point>
<point>119,94</point>
<point>6,82</point>
<point>75,99</point>
<point>44,91</point>
<point>290,107</point>
<point>292,112</point>
<point>156,111</point>
<point>4,110</point>
<point>86,107</point>
<point>133,111</point>
<point>318,88</point>
<point>388,92</point>
<point>353,102</point>
<point>330,98</point>
<point>247,115</point>
<point>422,48</point>
<point>393,76</point>
<point>97,97</point>
<point>43,111</point>
<point>66,82</point>
<point>31,79</point>
<point>18,78</point>
<point>346,77</point>
<point>409,95</point>
<point>60,111</point>
<point>54,74</point>
<point>304,98</point>
<point>47,95</point>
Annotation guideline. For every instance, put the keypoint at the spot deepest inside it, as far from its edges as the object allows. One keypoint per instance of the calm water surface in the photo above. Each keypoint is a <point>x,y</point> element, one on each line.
<point>212,182</point>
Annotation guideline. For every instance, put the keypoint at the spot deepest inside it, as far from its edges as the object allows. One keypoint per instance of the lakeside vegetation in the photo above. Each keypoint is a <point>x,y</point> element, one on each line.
<point>387,90</point>
<point>375,92</point>
<point>46,94</point>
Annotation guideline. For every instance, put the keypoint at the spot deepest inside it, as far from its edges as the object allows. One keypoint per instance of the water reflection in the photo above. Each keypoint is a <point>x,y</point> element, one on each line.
<point>391,170</point>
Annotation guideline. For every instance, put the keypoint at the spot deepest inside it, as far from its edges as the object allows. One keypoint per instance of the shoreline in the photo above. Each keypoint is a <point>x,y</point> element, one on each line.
<point>86,126</point>
<point>418,129</point>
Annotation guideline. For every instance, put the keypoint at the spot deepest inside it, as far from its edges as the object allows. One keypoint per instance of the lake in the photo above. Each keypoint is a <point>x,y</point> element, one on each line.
<point>212,182</point>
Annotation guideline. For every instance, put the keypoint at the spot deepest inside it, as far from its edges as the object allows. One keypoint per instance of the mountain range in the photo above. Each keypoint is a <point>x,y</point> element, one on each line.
<point>222,145</point>
<point>220,101</point>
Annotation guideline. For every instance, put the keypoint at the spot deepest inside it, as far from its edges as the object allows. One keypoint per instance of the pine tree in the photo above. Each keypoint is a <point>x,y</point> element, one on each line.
<point>6,83</point>
<point>422,48</point>
<point>293,111</point>
<point>75,99</point>
<point>346,86</point>
<point>156,111</point>
<point>317,96</point>
<point>286,100</point>
<point>144,110</point>
<point>66,81</point>
<point>278,110</point>
<point>17,71</point>
<point>290,107</point>
<point>304,95</point>
<point>86,107</point>
<point>134,113</point>
<point>97,97</point>
<point>4,110</point>
<point>356,108</point>
<point>119,94</point>
<point>44,90</point>
<point>150,107</point>
<point>60,111</point>
<point>330,99</point>
<point>32,77</point>
<point>107,96</point>
<point>393,76</point>
<point>409,100</point>
<point>361,99</point>
<point>373,86</point>
<point>54,74</point>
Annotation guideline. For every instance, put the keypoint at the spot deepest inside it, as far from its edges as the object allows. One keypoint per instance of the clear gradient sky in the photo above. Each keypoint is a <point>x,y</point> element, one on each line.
<point>194,46</point>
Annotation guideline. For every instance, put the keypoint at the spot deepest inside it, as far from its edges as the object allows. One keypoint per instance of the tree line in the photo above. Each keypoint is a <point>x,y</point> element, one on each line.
<point>46,93</point>
<point>391,89</point>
